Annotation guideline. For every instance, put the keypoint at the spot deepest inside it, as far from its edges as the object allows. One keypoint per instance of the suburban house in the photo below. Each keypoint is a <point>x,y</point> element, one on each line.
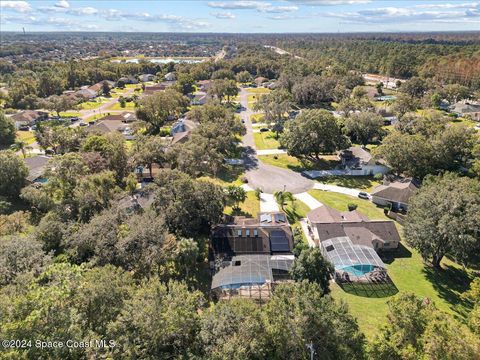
<point>109,126</point>
<point>124,117</point>
<point>204,85</point>
<point>149,90</point>
<point>146,77</point>
<point>128,80</point>
<point>467,109</point>
<point>181,130</point>
<point>350,240</point>
<point>99,86</point>
<point>36,166</point>
<point>199,98</point>
<point>359,161</point>
<point>28,117</point>
<point>249,256</point>
<point>395,194</point>
<point>86,94</point>
<point>170,77</point>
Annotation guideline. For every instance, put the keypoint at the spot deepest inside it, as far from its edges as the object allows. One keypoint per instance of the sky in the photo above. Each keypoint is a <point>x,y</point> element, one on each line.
<point>285,16</point>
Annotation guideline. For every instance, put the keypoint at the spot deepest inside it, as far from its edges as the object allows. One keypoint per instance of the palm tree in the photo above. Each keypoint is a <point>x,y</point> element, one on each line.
<point>282,197</point>
<point>21,146</point>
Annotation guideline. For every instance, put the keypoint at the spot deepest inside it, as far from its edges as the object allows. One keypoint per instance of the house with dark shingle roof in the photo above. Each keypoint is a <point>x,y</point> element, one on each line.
<point>36,167</point>
<point>395,194</point>
<point>327,223</point>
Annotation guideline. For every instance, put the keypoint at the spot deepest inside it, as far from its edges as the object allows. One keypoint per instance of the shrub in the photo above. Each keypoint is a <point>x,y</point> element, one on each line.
<point>352,206</point>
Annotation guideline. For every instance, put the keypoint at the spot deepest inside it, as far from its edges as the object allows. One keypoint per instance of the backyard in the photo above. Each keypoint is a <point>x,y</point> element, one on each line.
<point>407,271</point>
<point>128,106</point>
<point>409,274</point>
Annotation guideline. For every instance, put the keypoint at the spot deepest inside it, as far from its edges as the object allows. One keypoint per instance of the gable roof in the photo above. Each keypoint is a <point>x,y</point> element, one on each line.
<point>330,223</point>
<point>36,166</point>
<point>398,191</point>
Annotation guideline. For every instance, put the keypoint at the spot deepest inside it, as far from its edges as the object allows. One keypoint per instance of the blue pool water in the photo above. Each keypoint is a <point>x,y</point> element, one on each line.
<point>359,270</point>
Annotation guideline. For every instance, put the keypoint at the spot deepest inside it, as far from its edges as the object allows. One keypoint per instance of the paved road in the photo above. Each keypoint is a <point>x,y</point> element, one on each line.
<point>266,177</point>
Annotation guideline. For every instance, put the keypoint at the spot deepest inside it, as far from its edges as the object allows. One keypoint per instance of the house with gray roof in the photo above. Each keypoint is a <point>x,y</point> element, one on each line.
<point>467,109</point>
<point>36,167</point>
<point>395,194</point>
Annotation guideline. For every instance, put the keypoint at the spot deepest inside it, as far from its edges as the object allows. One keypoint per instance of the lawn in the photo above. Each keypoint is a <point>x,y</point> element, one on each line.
<point>259,90</point>
<point>407,271</point>
<point>296,210</point>
<point>28,137</point>
<point>250,207</point>
<point>341,201</point>
<point>409,274</point>
<point>256,118</point>
<point>128,106</point>
<point>365,183</point>
<point>88,105</point>
<point>231,175</point>
<point>290,162</point>
<point>266,140</point>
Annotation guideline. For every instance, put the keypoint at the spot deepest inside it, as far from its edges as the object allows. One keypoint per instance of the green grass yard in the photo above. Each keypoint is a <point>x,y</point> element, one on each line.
<point>341,201</point>
<point>28,137</point>
<point>409,274</point>
<point>365,183</point>
<point>256,118</point>
<point>406,269</point>
<point>266,140</point>
<point>250,207</point>
<point>290,162</point>
<point>128,106</point>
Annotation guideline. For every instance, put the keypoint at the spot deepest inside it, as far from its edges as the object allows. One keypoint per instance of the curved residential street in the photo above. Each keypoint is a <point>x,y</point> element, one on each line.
<point>267,177</point>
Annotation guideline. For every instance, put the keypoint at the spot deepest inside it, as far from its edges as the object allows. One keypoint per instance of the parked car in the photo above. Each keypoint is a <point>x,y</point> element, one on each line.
<point>363,195</point>
<point>24,128</point>
<point>264,130</point>
<point>73,119</point>
<point>90,123</point>
<point>82,124</point>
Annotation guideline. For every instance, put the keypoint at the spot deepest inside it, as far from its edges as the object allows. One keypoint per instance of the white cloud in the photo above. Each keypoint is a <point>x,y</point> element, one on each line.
<point>252,5</point>
<point>412,14</point>
<point>175,22</point>
<point>223,15</point>
<point>20,6</point>
<point>62,4</point>
<point>88,10</point>
<point>330,2</point>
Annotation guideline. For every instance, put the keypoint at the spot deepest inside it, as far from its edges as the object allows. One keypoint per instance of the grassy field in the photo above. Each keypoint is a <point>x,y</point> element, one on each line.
<point>256,118</point>
<point>250,207</point>
<point>88,105</point>
<point>296,210</point>
<point>266,140</point>
<point>232,176</point>
<point>128,106</point>
<point>27,137</point>
<point>259,90</point>
<point>366,183</point>
<point>407,271</point>
<point>292,163</point>
<point>341,201</point>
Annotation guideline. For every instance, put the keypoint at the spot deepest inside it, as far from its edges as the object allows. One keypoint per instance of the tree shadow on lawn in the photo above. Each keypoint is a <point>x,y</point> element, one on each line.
<point>240,212</point>
<point>370,290</point>
<point>450,282</point>
<point>357,182</point>
<point>401,252</point>
<point>322,164</point>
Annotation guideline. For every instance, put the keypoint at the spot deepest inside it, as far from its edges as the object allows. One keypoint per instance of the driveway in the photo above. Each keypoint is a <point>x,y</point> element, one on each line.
<point>308,200</point>
<point>268,203</point>
<point>337,189</point>
<point>268,178</point>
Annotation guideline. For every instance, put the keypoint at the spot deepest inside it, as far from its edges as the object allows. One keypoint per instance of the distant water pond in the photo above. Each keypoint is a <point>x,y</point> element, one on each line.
<point>162,61</point>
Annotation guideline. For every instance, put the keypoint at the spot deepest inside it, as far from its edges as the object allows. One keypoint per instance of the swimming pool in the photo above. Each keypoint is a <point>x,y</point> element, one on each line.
<point>358,270</point>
